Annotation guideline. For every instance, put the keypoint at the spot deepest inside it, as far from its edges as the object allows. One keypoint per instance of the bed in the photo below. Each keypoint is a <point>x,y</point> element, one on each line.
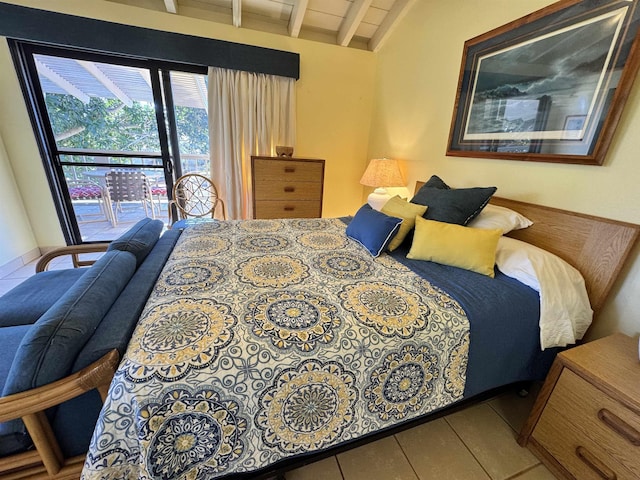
<point>267,344</point>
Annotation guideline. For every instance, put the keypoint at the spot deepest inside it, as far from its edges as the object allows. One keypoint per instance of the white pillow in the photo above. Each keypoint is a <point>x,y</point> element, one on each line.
<point>493,216</point>
<point>565,311</point>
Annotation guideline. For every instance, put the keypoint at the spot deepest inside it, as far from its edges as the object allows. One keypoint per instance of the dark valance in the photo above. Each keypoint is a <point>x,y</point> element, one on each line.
<point>34,25</point>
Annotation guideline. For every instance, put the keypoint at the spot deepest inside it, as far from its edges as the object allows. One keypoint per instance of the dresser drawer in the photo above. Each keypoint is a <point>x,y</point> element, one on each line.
<point>269,171</point>
<point>287,190</point>
<point>284,209</point>
<point>581,425</point>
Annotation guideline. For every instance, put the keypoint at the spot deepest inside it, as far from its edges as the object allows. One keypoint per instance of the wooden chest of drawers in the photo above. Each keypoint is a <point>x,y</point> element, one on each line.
<point>585,423</point>
<point>287,187</point>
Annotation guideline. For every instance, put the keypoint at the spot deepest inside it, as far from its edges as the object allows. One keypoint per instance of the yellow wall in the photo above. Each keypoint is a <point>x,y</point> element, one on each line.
<point>334,103</point>
<point>344,119</point>
<point>16,237</point>
<point>416,83</point>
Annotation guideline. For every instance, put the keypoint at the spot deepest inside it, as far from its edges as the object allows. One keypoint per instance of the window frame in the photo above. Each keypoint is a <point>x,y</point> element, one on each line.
<point>23,58</point>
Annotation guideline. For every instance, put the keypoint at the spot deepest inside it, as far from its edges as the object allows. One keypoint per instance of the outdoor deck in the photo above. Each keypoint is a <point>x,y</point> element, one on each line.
<point>96,227</point>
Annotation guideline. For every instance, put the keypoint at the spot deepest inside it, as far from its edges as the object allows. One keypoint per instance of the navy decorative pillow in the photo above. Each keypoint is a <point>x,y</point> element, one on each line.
<point>373,229</point>
<point>452,205</point>
<point>436,182</point>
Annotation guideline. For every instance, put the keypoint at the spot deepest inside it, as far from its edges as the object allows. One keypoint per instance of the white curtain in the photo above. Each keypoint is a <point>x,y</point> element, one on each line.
<point>249,114</point>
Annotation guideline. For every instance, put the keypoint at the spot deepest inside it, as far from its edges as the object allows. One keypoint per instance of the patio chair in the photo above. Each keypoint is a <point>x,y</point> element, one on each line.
<point>127,186</point>
<point>83,192</point>
<point>195,196</point>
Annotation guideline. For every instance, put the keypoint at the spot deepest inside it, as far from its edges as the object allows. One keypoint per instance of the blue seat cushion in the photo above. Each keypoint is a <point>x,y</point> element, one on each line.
<point>11,440</point>
<point>49,349</point>
<point>10,338</point>
<point>139,239</point>
<point>27,302</point>
<point>73,431</point>
<point>118,324</point>
<point>189,222</point>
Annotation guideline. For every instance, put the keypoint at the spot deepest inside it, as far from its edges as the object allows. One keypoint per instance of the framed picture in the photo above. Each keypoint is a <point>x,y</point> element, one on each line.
<point>561,73</point>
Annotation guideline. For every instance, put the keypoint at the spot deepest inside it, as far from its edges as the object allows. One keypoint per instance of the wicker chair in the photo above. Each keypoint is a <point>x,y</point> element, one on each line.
<point>195,196</point>
<point>127,186</point>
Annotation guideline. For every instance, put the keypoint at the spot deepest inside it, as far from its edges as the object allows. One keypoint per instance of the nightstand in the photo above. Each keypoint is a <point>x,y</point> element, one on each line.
<point>585,423</point>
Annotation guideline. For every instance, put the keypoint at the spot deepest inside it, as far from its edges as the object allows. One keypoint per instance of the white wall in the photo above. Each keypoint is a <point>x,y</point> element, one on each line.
<point>16,237</point>
<point>416,82</point>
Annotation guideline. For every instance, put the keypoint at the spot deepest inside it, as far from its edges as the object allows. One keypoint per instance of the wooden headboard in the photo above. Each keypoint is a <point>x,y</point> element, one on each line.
<point>596,246</point>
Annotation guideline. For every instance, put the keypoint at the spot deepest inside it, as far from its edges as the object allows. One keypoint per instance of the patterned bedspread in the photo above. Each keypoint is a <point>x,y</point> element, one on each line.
<point>266,339</point>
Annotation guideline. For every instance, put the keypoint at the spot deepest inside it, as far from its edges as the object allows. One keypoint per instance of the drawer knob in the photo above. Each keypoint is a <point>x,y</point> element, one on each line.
<point>289,189</point>
<point>289,209</point>
<point>619,426</point>
<point>289,169</point>
<point>595,464</point>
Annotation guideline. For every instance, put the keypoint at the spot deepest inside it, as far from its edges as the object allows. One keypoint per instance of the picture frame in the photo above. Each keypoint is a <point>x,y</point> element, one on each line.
<point>561,73</point>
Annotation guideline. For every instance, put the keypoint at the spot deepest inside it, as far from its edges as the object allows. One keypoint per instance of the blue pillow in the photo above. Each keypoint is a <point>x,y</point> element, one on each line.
<point>139,239</point>
<point>373,229</point>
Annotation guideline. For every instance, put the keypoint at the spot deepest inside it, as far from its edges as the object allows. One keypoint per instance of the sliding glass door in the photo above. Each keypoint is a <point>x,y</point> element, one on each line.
<point>111,131</point>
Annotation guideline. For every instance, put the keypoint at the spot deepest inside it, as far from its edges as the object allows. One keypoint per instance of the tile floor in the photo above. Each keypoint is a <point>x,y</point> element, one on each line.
<point>477,443</point>
<point>17,276</point>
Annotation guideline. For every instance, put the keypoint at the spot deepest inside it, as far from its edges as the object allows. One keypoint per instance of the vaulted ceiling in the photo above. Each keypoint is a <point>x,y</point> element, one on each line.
<point>363,24</point>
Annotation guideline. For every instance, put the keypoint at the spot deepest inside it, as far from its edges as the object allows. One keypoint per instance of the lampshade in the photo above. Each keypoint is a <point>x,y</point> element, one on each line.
<point>382,172</point>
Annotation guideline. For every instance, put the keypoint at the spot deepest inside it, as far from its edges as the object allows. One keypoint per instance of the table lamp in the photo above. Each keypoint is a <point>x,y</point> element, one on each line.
<point>381,173</point>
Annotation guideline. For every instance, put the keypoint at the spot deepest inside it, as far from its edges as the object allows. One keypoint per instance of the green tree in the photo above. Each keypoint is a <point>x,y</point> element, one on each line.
<point>108,124</point>
<point>102,124</point>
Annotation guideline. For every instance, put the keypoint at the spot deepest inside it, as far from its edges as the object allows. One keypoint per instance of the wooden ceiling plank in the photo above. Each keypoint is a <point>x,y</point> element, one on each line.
<point>171,6</point>
<point>352,20</point>
<point>391,20</point>
<point>237,13</point>
<point>297,15</point>
<point>146,76</point>
<point>202,91</point>
<point>100,76</point>
<point>61,82</point>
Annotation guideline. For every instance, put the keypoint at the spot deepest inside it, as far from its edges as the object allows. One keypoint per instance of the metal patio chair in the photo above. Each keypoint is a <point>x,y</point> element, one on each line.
<point>127,186</point>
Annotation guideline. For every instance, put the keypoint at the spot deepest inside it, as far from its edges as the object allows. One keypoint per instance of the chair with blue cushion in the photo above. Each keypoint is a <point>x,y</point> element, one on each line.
<point>195,196</point>
<point>62,335</point>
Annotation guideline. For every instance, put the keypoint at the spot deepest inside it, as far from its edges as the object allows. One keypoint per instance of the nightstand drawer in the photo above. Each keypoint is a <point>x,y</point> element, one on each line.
<point>287,190</point>
<point>284,209</point>
<point>287,170</point>
<point>580,415</point>
<point>578,454</point>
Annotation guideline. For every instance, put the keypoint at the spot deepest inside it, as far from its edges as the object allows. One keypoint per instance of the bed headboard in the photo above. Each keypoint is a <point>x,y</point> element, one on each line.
<point>596,246</point>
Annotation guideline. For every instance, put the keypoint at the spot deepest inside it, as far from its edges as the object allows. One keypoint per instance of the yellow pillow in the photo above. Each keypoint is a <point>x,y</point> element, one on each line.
<point>469,248</point>
<point>400,208</point>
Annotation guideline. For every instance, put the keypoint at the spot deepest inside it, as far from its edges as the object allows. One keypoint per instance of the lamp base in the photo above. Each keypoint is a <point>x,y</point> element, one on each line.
<point>378,198</point>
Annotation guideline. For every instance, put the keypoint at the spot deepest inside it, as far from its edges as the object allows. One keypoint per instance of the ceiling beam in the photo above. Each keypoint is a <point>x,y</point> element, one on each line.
<point>202,90</point>
<point>352,21</point>
<point>171,6</point>
<point>297,15</point>
<point>146,76</point>
<point>237,12</point>
<point>63,83</point>
<point>393,17</point>
<point>99,75</point>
